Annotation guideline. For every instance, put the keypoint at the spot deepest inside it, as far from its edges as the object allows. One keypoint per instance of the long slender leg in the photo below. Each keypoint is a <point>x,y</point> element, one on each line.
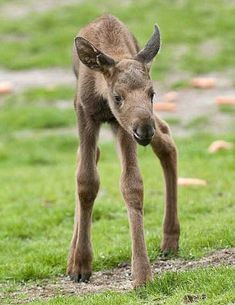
<point>164,147</point>
<point>132,190</point>
<point>80,256</point>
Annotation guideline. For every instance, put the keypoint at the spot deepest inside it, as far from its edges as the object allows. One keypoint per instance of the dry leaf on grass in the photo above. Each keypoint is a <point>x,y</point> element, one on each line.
<point>218,145</point>
<point>225,100</point>
<point>203,82</point>
<point>6,87</point>
<point>191,181</point>
<point>164,106</point>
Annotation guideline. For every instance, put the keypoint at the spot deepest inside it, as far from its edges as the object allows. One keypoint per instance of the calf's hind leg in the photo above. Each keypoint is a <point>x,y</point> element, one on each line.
<point>164,147</point>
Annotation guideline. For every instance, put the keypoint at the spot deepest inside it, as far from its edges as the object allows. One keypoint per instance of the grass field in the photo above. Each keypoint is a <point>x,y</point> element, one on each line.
<point>197,36</point>
<point>37,204</point>
<point>38,158</point>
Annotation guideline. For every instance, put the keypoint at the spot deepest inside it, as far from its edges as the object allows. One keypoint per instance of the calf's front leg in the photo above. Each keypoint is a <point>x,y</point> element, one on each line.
<point>164,147</point>
<point>80,256</point>
<point>132,190</point>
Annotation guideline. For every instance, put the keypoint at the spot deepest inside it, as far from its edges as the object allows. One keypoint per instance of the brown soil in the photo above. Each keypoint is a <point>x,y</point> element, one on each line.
<point>118,279</point>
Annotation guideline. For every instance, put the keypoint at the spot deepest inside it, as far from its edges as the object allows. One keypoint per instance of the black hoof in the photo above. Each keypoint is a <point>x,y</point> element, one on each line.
<point>75,278</point>
<point>164,255</point>
<point>85,277</point>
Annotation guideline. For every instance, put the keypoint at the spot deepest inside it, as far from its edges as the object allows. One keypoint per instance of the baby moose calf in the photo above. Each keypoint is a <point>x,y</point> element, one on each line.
<point>114,86</point>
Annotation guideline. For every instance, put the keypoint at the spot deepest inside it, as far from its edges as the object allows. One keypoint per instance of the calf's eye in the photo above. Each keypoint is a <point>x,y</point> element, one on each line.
<point>118,100</point>
<point>152,96</point>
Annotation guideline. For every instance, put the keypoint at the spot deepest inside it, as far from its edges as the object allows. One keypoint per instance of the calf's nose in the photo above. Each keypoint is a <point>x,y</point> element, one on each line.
<point>143,134</point>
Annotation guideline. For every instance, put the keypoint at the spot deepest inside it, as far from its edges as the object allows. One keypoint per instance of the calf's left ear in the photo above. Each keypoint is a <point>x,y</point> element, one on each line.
<point>147,54</point>
<point>92,57</point>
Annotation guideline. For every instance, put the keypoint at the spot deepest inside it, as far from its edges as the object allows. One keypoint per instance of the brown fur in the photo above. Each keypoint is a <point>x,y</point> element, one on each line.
<point>113,85</point>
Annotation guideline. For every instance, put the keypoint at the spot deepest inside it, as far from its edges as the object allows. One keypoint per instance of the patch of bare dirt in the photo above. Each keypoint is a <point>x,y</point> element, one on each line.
<point>210,47</point>
<point>197,104</point>
<point>118,279</point>
<point>190,103</point>
<point>106,134</point>
<point>22,80</point>
<point>19,9</point>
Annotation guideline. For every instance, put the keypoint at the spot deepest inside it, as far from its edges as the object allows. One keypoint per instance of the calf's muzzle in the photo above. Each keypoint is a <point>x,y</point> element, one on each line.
<point>143,134</point>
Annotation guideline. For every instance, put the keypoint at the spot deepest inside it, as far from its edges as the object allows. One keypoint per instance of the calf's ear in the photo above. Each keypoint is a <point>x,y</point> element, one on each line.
<point>92,57</point>
<point>147,54</point>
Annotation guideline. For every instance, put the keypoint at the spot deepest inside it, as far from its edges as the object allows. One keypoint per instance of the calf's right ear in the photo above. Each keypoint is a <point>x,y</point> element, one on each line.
<point>92,57</point>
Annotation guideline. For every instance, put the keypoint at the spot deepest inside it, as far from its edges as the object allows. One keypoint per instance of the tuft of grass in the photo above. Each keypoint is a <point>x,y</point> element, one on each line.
<point>41,96</point>
<point>38,108</point>
<point>173,121</point>
<point>198,122</point>
<point>34,117</point>
<point>229,109</point>
<point>181,84</point>
<point>48,94</point>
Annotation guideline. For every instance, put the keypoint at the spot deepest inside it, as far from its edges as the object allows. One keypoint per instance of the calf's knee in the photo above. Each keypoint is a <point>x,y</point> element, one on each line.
<point>87,189</point>
<point>132,191</point>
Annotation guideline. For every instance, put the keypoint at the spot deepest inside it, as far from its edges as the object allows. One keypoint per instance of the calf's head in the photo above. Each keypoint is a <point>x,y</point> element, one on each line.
<point>130,89</point>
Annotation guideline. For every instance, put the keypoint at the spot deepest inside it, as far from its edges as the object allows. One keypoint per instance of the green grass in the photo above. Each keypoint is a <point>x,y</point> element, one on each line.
<point>36,117</point>
<point>199,122</point>
<point>40,96</point>
<point>45,39</point>
<point>37,204</point>
<point>44,94</point>
<point>37,108</point>
<point>228,109</point>
<point>173,121</point>
<point>181,84</point>
<point>37,171</point>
